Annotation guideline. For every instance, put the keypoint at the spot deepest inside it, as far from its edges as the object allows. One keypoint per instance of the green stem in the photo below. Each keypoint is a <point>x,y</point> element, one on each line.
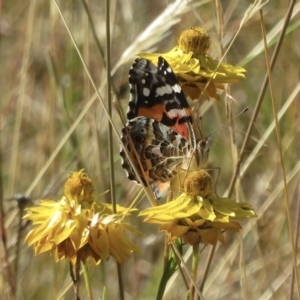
<point>195,262</point>
<point>87,280</point>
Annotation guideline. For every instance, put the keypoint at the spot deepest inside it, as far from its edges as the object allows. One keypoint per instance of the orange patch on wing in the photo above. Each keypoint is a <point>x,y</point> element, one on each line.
<point>182,129</point>
<point>162,187</point>
<point>155,112</point>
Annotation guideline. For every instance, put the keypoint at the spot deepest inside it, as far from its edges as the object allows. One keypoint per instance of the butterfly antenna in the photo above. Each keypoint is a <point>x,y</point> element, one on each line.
<point>243,111</point>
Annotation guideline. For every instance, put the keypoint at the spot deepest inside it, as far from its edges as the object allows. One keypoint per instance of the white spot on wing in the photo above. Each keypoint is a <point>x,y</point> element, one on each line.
<point>176,88</point>
<point>143,81</point>
<point>166,89</point>
<point>156,150</point>
<point>146,92</point>
<point>176,113</point>
<point>169,70</point>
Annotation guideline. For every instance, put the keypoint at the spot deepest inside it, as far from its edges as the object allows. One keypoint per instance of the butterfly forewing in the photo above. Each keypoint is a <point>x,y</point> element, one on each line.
<point>156,94</point>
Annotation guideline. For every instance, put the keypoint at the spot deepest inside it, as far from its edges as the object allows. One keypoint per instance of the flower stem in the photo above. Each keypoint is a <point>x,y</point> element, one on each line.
<point>196,258</point>
<point>87,281</point>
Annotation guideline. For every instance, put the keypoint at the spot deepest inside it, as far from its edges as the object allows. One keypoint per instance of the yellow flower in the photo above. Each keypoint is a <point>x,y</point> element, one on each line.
<point>197,215</point>
<point>79,187</point>
<point>77,226</point>
<point>194,67</point>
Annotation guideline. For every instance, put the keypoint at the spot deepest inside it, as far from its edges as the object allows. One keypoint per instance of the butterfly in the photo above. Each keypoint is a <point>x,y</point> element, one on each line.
<point>160,126</point>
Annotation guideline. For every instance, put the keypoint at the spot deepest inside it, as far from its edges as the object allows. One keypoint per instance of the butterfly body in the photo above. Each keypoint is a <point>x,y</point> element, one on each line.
<point>160,125</point>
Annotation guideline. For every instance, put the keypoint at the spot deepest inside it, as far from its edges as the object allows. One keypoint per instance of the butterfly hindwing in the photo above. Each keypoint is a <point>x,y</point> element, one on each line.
<point>159,149</point>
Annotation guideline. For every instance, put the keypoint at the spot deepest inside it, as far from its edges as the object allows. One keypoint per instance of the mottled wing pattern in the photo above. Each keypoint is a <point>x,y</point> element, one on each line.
<point>159,148</point>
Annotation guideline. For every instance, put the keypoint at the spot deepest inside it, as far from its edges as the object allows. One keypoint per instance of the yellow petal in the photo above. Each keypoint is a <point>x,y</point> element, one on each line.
<point>177,231</point>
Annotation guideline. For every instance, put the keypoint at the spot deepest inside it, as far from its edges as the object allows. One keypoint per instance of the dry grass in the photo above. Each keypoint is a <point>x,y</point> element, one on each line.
<point>52,122</point>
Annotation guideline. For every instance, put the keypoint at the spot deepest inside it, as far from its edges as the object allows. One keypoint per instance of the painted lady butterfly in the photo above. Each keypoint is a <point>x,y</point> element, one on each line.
<point>160,125</point>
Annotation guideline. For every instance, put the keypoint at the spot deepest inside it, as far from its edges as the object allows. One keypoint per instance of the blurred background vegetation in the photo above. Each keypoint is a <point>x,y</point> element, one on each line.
<point>52,123</point>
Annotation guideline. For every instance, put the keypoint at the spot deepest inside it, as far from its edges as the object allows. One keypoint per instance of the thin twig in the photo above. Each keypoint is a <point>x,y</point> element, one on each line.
<point>251,10</point>
<point>87,281</point>
<point>94,34</point>
<point>110,134</point>
<point>186,268</point>
<point>261,97</point>
<point>21,99</point>
<point>5,258</point>
<point>287,198</point>
<point>207,267</point>
<point>195,263</point>
<point>178,260</point>
<point>296,238</point>
<point>242,267</point>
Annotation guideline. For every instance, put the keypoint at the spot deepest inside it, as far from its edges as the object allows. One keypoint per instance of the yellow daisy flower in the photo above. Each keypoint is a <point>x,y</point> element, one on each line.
<point>197,215</point>
<point>77,226</point>
<point>196,70</point>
